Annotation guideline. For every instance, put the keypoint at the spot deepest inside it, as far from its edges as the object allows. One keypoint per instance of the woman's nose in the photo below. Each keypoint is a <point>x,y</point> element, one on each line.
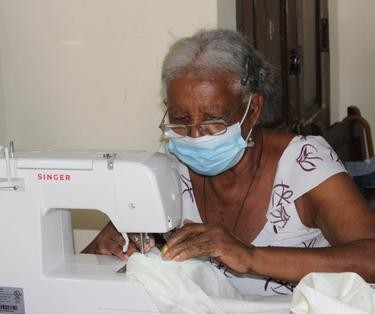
<point>196,131</point>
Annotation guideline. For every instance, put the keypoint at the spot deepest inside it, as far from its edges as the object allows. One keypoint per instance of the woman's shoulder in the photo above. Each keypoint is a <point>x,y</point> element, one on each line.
<point>286,144</point>
<point>275,143</point>
<point>303,150</point>
<point>305,162</point>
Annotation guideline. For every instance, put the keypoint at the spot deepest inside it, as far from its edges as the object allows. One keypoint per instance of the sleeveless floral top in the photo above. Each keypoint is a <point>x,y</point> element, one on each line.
<point>305,163</point>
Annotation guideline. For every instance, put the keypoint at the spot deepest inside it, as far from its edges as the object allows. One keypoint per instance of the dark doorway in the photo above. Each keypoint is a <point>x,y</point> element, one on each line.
<point>293,37</point>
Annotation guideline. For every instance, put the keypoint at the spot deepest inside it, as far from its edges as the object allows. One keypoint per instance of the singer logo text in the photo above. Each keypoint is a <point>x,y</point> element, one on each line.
<point>53,177</point>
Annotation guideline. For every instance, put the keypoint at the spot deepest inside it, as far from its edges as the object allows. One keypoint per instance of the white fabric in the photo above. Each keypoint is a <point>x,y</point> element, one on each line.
<point>340,293</point>
<point>194,287</point>
<point>305,163</point>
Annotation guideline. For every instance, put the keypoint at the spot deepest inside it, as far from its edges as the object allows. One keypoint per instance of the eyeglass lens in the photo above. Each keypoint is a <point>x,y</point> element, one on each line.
<point>214,128</point>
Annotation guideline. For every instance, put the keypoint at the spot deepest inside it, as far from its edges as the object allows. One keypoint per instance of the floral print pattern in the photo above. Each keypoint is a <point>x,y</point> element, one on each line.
<point>280,198</point>
<point>305,163</point>
<point>307,156</point>
<point>187,187</point>
<point>280,287</point>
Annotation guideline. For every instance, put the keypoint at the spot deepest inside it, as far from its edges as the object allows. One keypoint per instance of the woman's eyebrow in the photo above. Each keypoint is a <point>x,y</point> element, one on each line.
<point>222,112</point>
<point>218,108</point>
<point>209,109</point>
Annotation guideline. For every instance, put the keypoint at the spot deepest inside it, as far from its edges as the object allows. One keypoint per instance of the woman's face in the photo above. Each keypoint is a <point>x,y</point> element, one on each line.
<point>193,99</point>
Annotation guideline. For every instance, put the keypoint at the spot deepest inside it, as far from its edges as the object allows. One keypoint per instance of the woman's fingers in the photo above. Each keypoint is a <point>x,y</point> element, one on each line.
<point>189,248</point>
<point>210,239</point>
<point>108,246</point>
<point>117,251</point>
<point>110,242</point>
<point>118,238</point>
<point>188,231</point>
<point>191,240</point>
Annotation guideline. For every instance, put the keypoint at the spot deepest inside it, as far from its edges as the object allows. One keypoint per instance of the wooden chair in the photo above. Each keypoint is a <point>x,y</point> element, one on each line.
<point>352,140</point>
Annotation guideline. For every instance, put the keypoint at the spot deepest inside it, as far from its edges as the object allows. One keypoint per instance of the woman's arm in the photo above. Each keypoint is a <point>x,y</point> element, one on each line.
<point>337,209</point>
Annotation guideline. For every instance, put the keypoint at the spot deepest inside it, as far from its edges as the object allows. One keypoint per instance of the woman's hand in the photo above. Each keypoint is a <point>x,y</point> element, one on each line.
<point>210,239</point>
<point>110,242</point>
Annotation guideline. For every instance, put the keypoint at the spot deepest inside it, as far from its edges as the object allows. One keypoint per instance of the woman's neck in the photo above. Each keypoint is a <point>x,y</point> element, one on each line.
<point>246,167</point>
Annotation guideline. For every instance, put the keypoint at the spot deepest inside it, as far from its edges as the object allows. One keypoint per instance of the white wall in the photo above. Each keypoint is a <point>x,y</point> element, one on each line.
<point>85,74</point>
<point>2,113</point>
<point>226,10</point>
<point>352,30</point>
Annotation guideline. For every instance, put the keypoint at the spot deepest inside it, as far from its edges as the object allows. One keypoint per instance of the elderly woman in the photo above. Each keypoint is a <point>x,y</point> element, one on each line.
<point>267,207</point>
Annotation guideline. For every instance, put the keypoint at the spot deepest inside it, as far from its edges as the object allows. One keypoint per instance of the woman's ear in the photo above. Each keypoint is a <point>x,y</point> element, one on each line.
<point>256,105</point>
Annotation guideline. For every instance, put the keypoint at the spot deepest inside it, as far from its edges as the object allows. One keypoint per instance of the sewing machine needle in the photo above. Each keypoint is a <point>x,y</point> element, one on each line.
<point>142,243</point>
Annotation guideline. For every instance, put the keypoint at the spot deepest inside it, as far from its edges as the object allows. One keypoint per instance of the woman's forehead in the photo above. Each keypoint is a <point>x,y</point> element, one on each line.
<point>206,91</point>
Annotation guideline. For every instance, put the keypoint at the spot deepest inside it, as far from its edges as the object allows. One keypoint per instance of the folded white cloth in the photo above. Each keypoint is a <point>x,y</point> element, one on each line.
<point>195,286</point>
<point>342,293</point>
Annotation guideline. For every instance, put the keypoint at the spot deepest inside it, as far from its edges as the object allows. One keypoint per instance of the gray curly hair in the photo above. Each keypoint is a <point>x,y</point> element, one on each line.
<point>220,51</point>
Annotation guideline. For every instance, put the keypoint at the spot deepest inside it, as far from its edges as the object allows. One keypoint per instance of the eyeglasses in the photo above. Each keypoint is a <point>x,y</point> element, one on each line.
<point>208,127</point>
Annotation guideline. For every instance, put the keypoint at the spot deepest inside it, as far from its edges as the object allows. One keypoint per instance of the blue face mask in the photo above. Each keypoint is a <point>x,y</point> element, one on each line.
<point>211,154</point>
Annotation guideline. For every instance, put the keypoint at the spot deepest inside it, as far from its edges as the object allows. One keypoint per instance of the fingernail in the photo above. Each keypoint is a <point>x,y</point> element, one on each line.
<point>164,249</point>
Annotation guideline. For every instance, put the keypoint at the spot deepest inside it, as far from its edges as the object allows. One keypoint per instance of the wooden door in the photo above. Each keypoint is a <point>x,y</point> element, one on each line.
<point>289,33</point>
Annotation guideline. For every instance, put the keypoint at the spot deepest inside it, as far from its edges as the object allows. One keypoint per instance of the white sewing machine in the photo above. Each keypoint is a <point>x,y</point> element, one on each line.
<point>39,271</point>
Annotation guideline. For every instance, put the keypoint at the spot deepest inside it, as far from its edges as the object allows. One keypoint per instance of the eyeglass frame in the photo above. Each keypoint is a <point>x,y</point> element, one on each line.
<point>188,127</point>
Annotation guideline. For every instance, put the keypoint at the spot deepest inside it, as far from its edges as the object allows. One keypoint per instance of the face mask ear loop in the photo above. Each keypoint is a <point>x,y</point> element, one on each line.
<point>247,109</point>
<point>249,140</point>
